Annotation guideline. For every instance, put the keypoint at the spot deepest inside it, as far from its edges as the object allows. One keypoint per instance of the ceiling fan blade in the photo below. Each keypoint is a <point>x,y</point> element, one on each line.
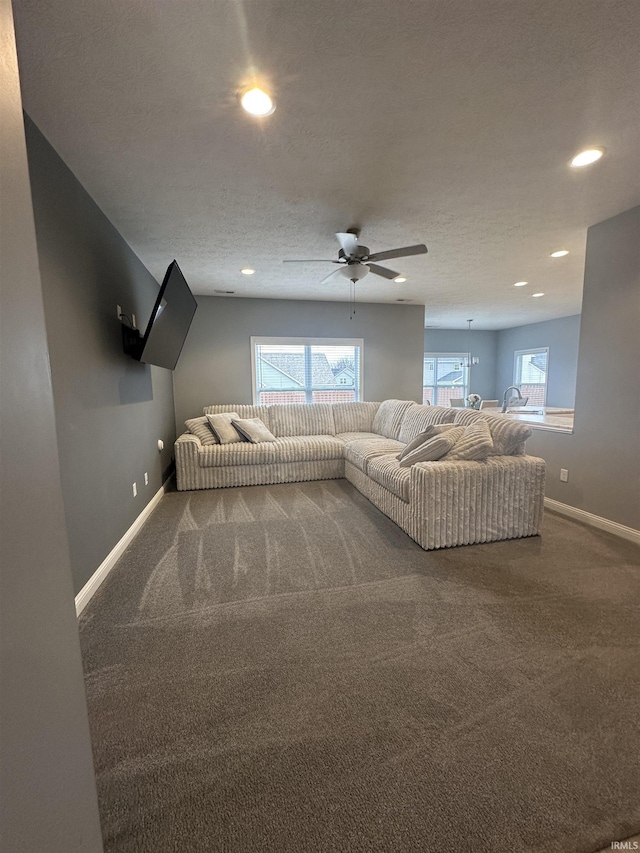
<point>383,271</point>
<point>331,275</point>
<point>348,243</point>
<point>312,261</point>
<point>420,249</point>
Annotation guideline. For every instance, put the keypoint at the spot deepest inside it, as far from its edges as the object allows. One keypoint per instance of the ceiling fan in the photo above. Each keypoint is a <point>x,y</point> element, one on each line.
<point>356,261</point>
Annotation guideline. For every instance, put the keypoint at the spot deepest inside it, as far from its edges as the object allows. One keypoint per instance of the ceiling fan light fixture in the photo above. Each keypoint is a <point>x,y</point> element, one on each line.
<point>587,157</point>
<point>354,271</point>
<point>257,102</point>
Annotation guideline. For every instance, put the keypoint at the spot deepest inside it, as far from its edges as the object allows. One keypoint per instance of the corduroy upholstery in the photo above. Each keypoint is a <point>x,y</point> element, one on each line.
<point>439,504</point>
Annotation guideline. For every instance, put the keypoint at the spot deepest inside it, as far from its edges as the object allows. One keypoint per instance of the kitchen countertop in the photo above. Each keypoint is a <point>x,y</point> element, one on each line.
<point>548,418</point>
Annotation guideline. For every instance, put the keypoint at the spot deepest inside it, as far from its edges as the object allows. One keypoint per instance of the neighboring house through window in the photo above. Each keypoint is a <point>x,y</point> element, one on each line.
<point>306,370</point>
<point>530,369</point>
<point>445,376</point>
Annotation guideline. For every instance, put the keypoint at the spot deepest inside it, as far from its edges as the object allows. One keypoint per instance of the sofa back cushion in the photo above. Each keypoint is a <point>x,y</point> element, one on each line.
<point>388,418</point>
<point>417,418</point>
<point>302,419</point>
<point>354,417</point>
<point>243,410</point>
<point>509,436</point>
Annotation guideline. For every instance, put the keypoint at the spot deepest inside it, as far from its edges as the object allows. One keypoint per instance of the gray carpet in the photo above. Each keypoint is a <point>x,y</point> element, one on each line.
<point>280,668</point>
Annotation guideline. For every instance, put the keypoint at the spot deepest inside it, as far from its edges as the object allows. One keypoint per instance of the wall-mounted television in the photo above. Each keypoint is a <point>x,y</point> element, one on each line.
<point>168,325</point>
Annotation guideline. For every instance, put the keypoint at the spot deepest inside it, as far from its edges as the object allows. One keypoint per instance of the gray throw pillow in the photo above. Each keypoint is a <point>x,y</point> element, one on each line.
<point>222,427</point>
<point>429,432</point>
<point>253,430</point>
<point>433,448</point>
<point>201,429</point>
<point>475,444</point>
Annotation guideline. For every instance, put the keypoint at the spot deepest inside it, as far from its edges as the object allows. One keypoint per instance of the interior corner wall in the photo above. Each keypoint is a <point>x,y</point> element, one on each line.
<point>482,344</point>
<point>47,784</point>
<point>603,453</point>
<point>215,365</point>
<point>110,410</point>
<point>561,336</point>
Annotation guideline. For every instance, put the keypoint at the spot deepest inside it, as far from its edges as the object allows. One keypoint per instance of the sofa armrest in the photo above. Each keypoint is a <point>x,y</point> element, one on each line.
<point>187,448</point>
<point>457,503</point>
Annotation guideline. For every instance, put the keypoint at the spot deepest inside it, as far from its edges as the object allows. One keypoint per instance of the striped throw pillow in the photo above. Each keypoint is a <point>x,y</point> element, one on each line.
<point>433,448</point>
<point>201,429</point>
<point>475,443</point>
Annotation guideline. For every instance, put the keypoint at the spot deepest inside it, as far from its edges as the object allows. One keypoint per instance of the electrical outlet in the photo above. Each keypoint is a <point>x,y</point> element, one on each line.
<point>119,315</point>
<point>135,490</point>
<point>564,475</point>
<point>146,478</point>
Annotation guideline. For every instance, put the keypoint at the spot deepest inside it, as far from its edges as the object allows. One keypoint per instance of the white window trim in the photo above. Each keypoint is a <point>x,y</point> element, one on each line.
<point>520,352</point>
<point>305,342</point>
<point>464,358</point>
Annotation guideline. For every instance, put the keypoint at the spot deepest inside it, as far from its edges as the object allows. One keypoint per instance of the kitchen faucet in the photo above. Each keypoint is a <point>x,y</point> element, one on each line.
<point>504,396</point>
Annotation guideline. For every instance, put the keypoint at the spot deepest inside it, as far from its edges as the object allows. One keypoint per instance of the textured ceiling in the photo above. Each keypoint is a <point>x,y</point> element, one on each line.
<point>440,121</point>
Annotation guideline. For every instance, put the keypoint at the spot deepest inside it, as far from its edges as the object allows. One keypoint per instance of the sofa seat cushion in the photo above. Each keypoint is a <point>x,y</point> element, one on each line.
<point>388,419</point>
<point>386,471</point>
<point>307,448</point>
<point>240,453</point>
<point>360,451</point>
<point>509,437</point>
<point>354,417</point>
<point>302,419</point>
<point>417,418</point>
<point>354,436</point>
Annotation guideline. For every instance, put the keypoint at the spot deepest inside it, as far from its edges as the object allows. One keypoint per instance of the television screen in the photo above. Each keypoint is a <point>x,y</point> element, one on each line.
<point>168,325</point>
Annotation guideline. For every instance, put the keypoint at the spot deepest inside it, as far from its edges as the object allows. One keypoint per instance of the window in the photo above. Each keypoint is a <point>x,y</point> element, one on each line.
<point>445,375</point>
<point>530,368</point>
<point>306,370</point>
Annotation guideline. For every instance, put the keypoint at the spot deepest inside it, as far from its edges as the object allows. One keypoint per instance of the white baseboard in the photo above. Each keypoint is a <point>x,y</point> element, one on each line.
<point>585,517</point>
<point>90,588</point>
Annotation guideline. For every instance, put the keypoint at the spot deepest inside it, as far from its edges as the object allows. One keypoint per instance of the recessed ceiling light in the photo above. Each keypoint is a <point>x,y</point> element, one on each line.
<point>560,253</point>
<point>520,283</point>
<point>534,295</point>
<point>400,279</point>
<point>587,157</point>
<point>257,102</point>
<point>247,271</point>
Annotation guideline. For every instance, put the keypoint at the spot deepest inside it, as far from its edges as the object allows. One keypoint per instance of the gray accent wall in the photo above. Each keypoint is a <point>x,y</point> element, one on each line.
<point>215,365</point>
<point>110,409</point>
<point>47,786</point>
<point>561,336</point>
<point>603,453</point>
<point>481,344</point>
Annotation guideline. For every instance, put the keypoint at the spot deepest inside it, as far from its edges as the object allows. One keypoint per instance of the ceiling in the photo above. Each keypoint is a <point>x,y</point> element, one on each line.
<point>445,121</point>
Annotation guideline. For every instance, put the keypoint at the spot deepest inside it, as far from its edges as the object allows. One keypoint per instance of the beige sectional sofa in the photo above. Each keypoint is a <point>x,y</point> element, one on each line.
<point>439,504</point>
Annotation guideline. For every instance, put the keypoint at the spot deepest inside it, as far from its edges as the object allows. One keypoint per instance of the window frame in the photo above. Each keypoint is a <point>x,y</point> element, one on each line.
<point>462,356</point>
<point>259,340</point>
<point>518,353</point>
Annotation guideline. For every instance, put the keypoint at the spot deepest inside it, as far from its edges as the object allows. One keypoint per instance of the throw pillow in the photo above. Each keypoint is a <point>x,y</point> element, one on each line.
<point>253,430</point>
<point>432,449</point>
<point>201,429</point>
<point>222,427</point>
<point>474,444</point>
<point>429,432</point>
